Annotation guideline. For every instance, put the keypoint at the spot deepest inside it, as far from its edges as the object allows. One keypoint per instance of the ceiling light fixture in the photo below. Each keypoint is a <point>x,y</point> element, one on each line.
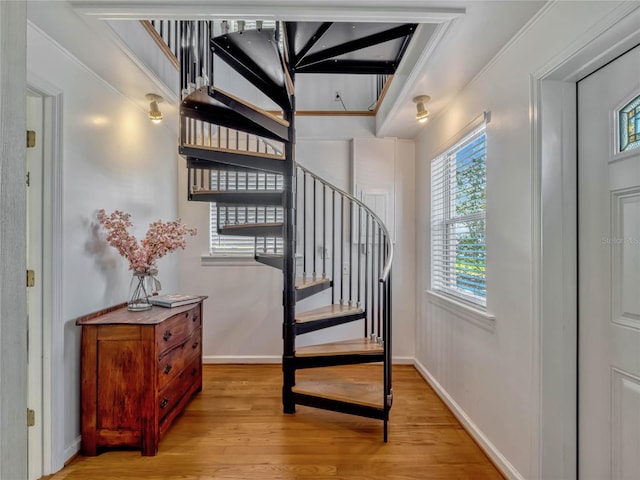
<point>155,115</point>
<point>423,114</point>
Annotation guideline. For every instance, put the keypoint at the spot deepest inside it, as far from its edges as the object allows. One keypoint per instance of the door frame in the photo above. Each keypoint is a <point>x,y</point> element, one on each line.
<point>53,422</point>
<point>553,108</point>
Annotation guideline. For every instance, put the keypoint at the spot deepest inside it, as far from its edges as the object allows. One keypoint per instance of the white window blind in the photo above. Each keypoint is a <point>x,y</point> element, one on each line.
<point>237,246</point>
<point>458,192</point>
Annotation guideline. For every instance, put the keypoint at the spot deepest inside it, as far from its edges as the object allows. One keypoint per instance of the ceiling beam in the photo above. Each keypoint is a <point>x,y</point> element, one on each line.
<point>358,67</point>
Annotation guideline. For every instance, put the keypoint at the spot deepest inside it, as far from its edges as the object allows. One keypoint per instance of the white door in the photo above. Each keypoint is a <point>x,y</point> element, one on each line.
<point>609,271</point>
<point>34,236</point>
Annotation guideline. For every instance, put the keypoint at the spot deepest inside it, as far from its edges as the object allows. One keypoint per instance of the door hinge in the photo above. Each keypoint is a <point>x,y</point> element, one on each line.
<point>31,138</point>
<point>31,417</point>
<point>28,179</point>
<point>31,278</point>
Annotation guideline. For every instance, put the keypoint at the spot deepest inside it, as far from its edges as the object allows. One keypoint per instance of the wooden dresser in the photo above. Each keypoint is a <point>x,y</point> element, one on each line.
<point>139,371</point>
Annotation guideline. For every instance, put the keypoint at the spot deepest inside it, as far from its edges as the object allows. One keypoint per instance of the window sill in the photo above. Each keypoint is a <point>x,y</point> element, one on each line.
<point>467,312</point>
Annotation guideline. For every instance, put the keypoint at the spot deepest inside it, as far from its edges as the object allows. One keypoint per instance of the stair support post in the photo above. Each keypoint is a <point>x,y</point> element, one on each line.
<point>289,267</point>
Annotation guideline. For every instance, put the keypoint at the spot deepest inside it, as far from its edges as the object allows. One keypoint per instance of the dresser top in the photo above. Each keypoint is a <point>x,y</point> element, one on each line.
<point>121,315</point>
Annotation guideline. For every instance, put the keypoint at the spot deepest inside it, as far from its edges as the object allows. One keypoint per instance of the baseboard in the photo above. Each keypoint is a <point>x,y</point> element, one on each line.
<point>72,450</point>
<point>498,459</point>
<point>273,359</point>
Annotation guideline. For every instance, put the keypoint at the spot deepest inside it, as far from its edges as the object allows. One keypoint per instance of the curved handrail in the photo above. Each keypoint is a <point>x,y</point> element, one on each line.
<point>387,266</point>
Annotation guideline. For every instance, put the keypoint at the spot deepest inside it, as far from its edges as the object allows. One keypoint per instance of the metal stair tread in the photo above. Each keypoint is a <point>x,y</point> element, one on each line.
<point>271,156</point>
<point>257,109</point>
<point>356,346</point>
<point>365,394</point>
<point>203,97</point>
<point>328,311</point>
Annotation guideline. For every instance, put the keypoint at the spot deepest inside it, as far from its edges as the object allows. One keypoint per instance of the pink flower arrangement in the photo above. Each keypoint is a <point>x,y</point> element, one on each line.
<point>161,238</point>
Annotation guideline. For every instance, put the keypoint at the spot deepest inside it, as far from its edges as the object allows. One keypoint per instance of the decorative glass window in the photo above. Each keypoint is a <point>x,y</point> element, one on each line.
<point>630,125</point>
<point>458,192</point>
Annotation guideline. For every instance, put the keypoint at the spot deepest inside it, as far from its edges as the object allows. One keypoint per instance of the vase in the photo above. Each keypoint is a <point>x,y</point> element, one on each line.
<point>141,288</point>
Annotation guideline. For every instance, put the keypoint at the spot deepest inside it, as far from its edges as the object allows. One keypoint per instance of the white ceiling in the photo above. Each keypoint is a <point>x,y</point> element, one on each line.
<point>468,35</point>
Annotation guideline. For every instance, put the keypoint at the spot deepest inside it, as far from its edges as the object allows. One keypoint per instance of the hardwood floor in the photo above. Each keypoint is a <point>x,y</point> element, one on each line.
<point>235,429</point>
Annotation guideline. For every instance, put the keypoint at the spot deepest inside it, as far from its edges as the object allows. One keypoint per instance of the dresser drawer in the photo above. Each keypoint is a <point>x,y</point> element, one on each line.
<point>175,330</point>
<point>169,396</point>
<point>174,361</point>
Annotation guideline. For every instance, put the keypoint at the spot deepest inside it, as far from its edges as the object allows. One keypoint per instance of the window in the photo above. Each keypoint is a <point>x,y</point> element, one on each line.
<point>237,246</point>
<point>629,125</point>
<point>458,187</point>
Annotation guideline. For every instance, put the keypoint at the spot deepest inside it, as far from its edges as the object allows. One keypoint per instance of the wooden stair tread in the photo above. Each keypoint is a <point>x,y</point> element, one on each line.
<point>271,156</point>
<point>307,282</point>
<point>365,394</point>
<point>329,311</point>
<point>345,347</point>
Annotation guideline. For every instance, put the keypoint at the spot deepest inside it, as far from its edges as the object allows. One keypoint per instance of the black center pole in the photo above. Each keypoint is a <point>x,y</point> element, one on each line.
<point>289,267</point>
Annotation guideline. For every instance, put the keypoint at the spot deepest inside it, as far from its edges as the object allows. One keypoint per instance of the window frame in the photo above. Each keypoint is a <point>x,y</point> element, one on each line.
<point>443,270</point>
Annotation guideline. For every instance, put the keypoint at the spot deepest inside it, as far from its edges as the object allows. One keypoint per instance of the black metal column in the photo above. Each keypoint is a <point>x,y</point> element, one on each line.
<point>289,265</point>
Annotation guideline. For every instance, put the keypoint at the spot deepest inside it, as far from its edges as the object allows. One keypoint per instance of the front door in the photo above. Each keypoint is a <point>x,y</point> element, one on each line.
<point>609,271</point>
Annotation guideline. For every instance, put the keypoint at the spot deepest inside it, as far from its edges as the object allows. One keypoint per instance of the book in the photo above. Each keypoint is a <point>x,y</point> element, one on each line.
<point>174,300</point>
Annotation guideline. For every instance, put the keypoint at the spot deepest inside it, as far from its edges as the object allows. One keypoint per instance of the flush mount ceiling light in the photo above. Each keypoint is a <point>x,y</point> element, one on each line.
<point>155,115</point>
<point>423,114</point>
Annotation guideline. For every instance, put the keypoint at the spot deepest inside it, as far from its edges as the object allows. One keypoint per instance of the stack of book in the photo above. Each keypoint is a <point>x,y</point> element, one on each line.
<point>174,300</point>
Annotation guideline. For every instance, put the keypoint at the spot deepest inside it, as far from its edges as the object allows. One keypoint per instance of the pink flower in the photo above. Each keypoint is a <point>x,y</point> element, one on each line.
<point>161,238</point>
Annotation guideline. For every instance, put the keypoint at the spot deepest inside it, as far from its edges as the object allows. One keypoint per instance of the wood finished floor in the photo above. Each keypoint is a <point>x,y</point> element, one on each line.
<point>235,429</point>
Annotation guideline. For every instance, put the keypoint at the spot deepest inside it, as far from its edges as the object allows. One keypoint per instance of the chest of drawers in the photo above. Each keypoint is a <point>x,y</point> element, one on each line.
<point>139,371</point>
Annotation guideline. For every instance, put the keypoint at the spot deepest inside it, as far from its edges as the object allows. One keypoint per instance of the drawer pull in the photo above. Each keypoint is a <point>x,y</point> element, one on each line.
<point>167,369</point>
<point>167,335</point>
<point>195,344</point>
<point>164,402</point>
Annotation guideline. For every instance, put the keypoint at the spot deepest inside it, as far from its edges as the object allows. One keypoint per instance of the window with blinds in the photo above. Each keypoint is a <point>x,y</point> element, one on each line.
<point>458,193</point>
<point>237,246</point>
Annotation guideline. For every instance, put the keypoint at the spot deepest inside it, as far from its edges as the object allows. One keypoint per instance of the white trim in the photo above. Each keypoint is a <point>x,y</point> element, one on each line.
<point>468,312</point>
<point>303,10</point>
<point>498,459</point>
<point>53,324</point>
<point>72,449</point>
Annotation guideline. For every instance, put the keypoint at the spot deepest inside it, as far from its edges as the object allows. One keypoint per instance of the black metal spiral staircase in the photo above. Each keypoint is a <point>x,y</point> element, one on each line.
<point>322,238</point>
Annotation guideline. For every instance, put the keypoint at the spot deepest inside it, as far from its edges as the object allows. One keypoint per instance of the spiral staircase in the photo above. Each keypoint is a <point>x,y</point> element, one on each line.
<point>328,244</point>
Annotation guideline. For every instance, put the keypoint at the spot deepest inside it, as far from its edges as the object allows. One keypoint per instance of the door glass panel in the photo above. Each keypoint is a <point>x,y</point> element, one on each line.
<point>629,118</point>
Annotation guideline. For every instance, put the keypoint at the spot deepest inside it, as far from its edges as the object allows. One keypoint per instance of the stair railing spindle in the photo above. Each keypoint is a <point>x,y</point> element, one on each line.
<point>324,231</point>
<point>380,245</point>
<point>350,252</point>
<point>358,243</point>
<point>341,249</point>
<point>366,272</point>
<point>314,227</point>
<point>304,224</point>
<point>333,246</point>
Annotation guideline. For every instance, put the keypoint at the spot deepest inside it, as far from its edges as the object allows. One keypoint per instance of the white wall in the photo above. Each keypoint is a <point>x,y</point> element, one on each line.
<point>113,157</point>
<point>489,375</point>
<point>243,315</point>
